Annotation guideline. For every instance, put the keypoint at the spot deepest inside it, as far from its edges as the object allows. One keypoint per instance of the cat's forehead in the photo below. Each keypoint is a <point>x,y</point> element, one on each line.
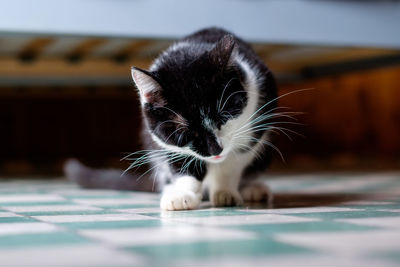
<point>191,112</point>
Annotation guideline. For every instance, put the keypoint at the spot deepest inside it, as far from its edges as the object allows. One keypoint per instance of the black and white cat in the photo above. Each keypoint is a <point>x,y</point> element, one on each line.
<point>208,102</point>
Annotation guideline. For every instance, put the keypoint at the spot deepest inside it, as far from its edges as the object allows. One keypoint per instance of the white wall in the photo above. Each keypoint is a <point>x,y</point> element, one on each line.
<point>365,23</point>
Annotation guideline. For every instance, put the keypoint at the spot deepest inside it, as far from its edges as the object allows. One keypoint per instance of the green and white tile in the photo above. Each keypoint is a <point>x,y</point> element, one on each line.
<point>181,234</point>
<point>318,220</point>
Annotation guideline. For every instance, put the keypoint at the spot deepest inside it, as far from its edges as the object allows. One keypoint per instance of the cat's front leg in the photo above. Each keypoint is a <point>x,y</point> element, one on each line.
<point>256,191</point>
<point>183,194</point>
<point>224,188</point>
<point>225,198</point>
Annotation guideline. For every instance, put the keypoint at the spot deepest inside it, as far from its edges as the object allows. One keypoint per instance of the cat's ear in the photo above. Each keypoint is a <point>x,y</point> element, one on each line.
<point>221,53</point>
<point>149,88</point>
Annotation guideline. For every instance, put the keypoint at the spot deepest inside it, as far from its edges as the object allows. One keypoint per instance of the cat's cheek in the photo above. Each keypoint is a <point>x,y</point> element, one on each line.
<point>226,135</point>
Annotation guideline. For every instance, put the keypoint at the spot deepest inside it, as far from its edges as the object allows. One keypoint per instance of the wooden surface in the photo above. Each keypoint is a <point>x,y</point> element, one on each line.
<point>73,96</point>
<point>357,112</point>
<point>26,60</point>
<point>349,120</point>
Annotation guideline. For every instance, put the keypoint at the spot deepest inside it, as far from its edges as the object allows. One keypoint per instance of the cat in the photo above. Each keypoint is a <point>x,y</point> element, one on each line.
<point>207,103</point>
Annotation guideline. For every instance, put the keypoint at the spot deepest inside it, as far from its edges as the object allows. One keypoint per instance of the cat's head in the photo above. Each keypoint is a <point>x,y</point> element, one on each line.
<point>192,102</point>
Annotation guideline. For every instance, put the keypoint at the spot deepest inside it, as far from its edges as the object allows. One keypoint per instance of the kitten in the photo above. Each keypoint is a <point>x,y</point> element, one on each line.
<point>207,104</point>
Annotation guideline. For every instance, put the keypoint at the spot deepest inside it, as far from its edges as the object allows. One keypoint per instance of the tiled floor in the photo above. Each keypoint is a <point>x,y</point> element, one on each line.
<point>317,220</point>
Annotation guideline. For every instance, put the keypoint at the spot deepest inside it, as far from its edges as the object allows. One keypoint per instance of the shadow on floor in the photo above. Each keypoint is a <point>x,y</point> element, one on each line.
<point>302,200</point>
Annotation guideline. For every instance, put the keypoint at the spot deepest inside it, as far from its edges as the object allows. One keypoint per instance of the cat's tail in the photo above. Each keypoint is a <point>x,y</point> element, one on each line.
<point>106,178</point>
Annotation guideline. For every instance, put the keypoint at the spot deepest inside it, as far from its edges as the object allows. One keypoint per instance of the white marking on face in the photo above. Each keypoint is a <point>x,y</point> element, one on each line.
<point>186,151</point>
<point>234,134</point>
<point>180,150</point>
<point>206,121</point>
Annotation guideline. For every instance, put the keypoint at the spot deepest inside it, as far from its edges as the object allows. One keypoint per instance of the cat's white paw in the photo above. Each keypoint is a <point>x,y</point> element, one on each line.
<point>180,200</point>
<point>224,198</point>
<point>184,194</point>
<point>256,192</point>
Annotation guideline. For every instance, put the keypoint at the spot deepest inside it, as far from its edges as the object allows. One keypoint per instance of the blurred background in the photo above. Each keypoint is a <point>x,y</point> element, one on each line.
<point>65,87</point>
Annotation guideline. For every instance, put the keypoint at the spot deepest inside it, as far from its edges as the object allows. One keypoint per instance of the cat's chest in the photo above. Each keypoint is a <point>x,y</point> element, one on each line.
<point>233,165</point>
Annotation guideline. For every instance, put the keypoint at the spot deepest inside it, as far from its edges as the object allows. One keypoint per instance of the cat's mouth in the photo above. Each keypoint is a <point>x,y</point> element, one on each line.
<point>217,158</point>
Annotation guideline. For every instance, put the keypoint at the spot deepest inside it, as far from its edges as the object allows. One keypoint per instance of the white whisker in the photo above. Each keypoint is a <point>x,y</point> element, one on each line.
<point>178,115</point>
<point>276,98</point>
<point>222,96</point>
<point>180,128</point>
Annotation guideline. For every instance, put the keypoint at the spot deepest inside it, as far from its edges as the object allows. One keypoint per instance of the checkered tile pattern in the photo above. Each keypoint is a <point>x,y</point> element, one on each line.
<point>317,220</point>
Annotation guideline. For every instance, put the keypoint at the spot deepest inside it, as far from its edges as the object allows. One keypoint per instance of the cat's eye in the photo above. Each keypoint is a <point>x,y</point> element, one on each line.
<point>182,139</point>
<point>168,126</point>
<point>237,100</point>
<point>158,112</point>
<point>235,104</point>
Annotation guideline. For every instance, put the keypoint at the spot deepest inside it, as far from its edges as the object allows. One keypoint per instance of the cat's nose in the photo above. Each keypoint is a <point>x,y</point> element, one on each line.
<point>214,148</point>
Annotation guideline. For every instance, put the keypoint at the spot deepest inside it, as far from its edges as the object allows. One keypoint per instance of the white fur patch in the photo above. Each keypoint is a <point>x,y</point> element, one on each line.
<point>184,194</point>
<point>206,122</point>
<point>229,133</point>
